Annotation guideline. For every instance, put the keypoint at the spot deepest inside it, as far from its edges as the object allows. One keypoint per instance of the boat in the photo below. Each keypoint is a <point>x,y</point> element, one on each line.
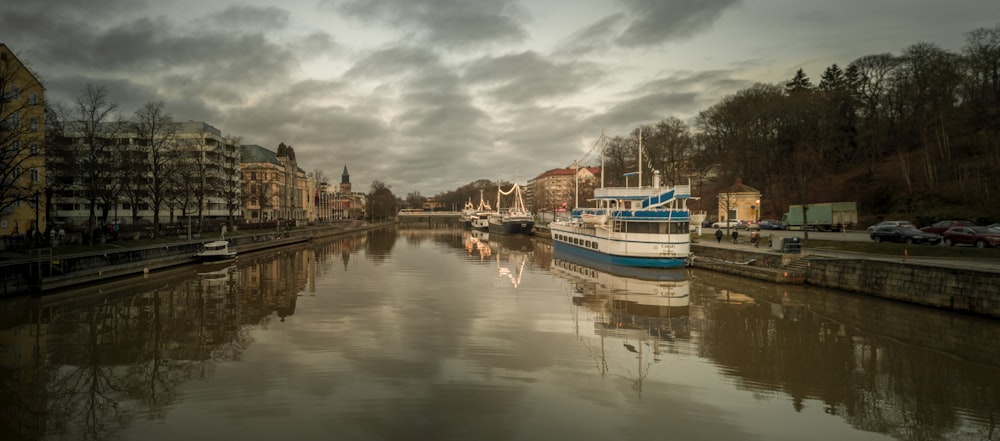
<point>640,226</point>
<point>514,219</point>
<point>468,213</point>
<point>481,219</point>
<point>215,250</point>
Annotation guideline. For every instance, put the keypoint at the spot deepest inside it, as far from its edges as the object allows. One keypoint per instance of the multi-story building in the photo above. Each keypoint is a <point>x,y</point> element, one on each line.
<point>22,148</point>
<point>557,190</point>
<point>203,182</point>
<point>274,187</point>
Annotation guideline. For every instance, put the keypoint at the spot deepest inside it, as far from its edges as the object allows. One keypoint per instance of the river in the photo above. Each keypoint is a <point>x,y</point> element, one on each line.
<point>442,335</point>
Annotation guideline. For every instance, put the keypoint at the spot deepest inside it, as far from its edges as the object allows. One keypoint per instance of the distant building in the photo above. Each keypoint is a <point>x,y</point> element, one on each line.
<point>348,204</point>
<point>23,198</point>
<point>274,187</point>
<point>739,201</point>
<point>557,190</point>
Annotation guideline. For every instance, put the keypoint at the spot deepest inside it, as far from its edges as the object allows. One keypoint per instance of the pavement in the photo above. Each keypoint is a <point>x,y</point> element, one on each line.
<point>975,263</point>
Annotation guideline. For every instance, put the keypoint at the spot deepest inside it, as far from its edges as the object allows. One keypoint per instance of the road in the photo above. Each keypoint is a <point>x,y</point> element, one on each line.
<point>979,264</point>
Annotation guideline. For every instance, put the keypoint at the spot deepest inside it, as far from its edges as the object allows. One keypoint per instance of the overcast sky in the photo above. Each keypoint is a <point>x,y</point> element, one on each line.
<point>429,95</point>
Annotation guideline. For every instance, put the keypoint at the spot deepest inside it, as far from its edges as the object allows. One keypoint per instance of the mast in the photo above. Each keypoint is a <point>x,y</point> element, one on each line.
<point>602,158</point>
<point>640,157</point>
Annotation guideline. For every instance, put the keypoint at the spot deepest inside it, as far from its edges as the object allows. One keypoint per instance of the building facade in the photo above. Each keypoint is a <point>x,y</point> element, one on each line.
<point>198,177</point>
<point>560,190</point>
<point>739,202</point>
<point>274,187</point>
<point>22,149</point>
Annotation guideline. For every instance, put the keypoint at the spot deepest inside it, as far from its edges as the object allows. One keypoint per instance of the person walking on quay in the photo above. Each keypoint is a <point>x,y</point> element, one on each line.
<point>718,235</point>
<point>736,236</point>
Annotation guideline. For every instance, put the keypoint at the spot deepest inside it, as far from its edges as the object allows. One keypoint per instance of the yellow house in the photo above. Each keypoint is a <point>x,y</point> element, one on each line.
<point>739,202</point>
<point>22,148</point>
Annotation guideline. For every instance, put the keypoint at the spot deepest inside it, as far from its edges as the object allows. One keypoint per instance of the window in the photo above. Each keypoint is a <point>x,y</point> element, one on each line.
<point>35,175</point>
<point>34,149</point>
<point>33,124</point>
<point>33,98</point>
<point>15,120</point>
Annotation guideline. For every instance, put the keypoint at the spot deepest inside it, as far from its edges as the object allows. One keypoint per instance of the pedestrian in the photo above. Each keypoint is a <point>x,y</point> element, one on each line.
<point>755,239</point>
<point>718,235</point>
<point>736,236</point>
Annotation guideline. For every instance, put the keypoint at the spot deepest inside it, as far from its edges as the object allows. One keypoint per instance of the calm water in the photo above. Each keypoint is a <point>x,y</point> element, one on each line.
<point>429,335</point>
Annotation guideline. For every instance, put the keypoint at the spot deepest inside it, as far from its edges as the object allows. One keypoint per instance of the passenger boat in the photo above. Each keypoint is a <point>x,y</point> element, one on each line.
<point>514,219</point>
<point>641,226</point>
<point>215,250</point>
<point>468,214</point>
<point>481,219</point>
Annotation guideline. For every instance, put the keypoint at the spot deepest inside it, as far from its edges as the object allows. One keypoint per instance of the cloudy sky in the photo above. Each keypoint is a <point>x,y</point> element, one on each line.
<point>429,95</point>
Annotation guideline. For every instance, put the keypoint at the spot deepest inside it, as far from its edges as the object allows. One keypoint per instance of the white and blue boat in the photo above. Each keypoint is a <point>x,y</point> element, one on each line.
<point>647,227</point>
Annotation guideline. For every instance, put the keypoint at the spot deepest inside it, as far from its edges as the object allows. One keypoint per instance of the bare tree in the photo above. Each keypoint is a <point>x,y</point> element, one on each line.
<point>229,184</point>
<point>96,129</point>
<point>156,135</point>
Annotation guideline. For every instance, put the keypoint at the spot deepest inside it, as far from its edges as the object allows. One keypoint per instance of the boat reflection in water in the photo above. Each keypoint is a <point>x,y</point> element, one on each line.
<point>512,253</point>
<point>477,243</point>
<point>644,310</point>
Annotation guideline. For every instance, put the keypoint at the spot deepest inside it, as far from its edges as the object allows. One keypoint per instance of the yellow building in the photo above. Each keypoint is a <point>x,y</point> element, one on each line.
<point>22,148</point>
<point>739,202</point>
<point>274,187</point>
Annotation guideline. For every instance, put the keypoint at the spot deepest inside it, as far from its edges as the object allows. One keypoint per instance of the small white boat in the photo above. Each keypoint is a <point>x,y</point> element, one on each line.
<point>215,251</point>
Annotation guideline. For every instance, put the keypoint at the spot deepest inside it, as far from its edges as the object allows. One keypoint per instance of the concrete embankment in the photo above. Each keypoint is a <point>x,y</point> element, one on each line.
<point>46,270</point>
<point>949,287</point>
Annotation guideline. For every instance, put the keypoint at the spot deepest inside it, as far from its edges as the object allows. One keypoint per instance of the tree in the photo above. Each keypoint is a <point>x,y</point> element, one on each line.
<point>415,200</point>
<point>230,183</point>
<point>156,136</point>
<point>381,201</point>
<point>97,127</point>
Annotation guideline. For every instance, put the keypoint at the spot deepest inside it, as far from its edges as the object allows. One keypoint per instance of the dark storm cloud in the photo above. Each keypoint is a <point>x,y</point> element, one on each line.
<point>656,21</point>
<point>593,38</point>
<point>250,17</point>
<point>447,23</point>
<point>393,61</point>
<point>528,77</point>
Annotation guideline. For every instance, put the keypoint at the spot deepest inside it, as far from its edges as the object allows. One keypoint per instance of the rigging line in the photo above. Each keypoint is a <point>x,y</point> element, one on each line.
<point>591,149</point>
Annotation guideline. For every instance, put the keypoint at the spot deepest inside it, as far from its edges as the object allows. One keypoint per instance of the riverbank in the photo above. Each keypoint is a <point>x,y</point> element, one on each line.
<point>38,271</point>
<point>968,286</point>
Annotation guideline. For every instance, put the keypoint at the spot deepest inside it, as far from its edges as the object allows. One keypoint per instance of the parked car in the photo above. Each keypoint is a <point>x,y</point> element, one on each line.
<point>894,223</point>
<point>981,237</point>
<point>747,225</point>
<point>942,226</point>
<point>904,235</point>
<point>770,224</point>
<point>731,223</point>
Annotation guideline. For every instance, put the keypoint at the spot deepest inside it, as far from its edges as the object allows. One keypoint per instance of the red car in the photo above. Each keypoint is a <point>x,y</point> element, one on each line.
<point>981,237</point>
<point>942,226</point>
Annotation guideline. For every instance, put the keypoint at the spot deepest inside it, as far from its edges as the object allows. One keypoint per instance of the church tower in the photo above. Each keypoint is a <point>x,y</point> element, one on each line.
<point>345,181</point>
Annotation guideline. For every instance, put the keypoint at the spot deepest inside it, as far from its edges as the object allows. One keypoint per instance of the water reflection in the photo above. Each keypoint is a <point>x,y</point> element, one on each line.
<point>643,310</point>
<point>85,362</point>
<point>885,367</point>
<point>389,334</point>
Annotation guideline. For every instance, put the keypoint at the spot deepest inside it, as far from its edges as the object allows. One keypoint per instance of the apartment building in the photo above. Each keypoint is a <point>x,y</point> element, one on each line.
<point>22,148</point>
<point>560,189</point>
<point>197,181</point>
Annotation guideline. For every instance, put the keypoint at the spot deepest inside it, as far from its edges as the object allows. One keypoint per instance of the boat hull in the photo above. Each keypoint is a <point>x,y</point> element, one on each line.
<point>524,227</point>
<point>611,259</point>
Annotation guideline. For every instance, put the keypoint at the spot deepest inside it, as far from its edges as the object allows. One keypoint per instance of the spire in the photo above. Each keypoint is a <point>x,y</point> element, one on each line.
<point>345,178</point>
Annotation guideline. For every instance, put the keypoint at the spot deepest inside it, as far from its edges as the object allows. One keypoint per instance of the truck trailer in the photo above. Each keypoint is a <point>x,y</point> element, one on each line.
<point>827,216</point>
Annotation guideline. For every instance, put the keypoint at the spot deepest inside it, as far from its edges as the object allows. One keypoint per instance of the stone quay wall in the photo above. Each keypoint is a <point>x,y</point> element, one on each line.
<point>955,289</point>
<point>961,290</point>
